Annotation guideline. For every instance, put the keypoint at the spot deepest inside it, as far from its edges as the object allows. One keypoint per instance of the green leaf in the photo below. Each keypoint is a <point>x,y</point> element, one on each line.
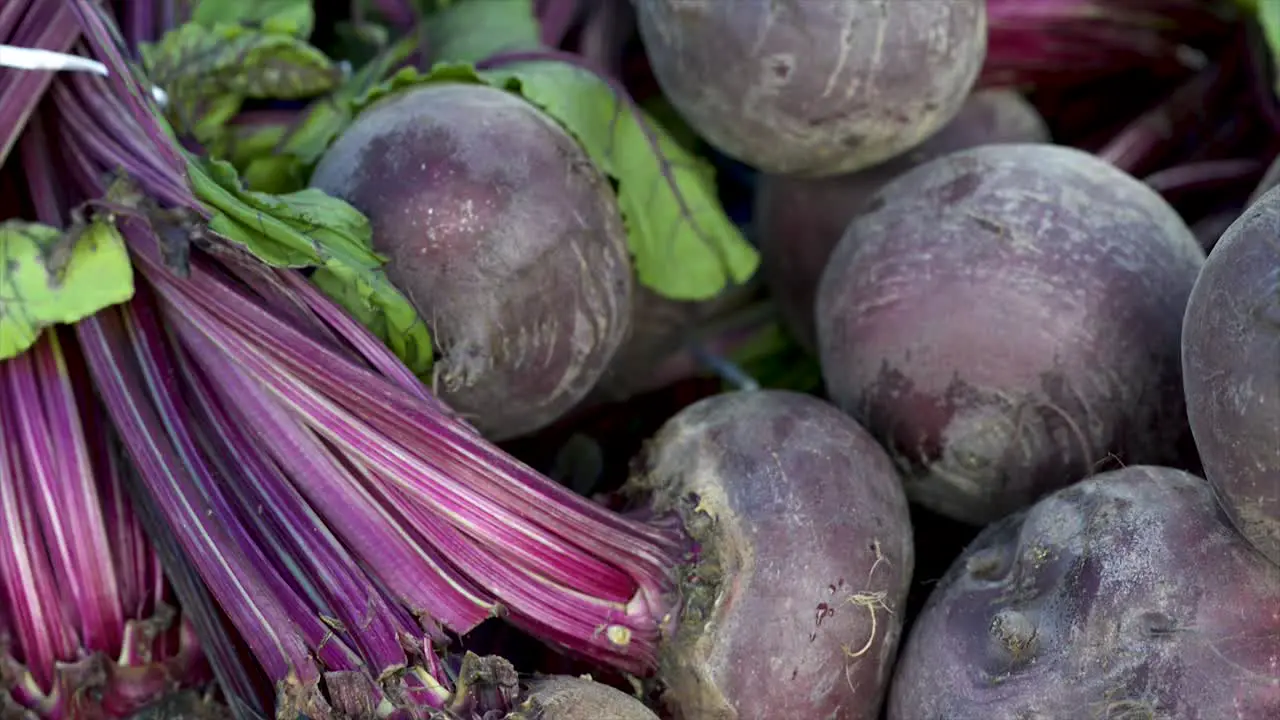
<point>327,117</point>
<point>208,116</point>
<point>288,17</point>
<point>49,277</point>
<point>1269,19</point>
<point>308,228</point>
<point>665,114</point>
<point>208,72</point>
<point>775,360</point>
<point>278,156</point>
<point>380,307</point>
<point>248,218</point>
<point>683,245</point>
<point>472,30</point>
<point>243,142</point>
<point>254,150</point>
<point>408,77</point>
<point>276,174</point>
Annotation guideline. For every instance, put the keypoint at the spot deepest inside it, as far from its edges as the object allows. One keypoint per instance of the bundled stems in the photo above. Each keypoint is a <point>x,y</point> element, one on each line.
<point>91,628</point>
<point>345,521</point>
<point>1142,145</point>
<point>1044,43</point>
<point>39,25</point>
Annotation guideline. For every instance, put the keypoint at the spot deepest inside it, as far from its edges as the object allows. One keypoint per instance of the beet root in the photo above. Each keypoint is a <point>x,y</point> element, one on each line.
<point>814,88</point>
<point>1006,320</point>
<point>504,236</point>
<point>791,608</point>
<point>562,697</point>
<point>800,220</point>
<point>1230,352</point>
<point>1127,595</point>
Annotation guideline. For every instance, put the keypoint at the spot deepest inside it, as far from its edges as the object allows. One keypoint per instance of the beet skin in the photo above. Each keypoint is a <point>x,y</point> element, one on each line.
<point>1127,595</point>
<point>793,607</point>
<point>800,220</point>
<point>814,87</point>
<point>1006,320</point>
<point>505,237</point>
<point>1231,363</point>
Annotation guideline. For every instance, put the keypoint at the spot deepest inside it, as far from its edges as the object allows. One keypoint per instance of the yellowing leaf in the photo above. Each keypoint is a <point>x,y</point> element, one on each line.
<point>208,72</point>
<point>49,277</point>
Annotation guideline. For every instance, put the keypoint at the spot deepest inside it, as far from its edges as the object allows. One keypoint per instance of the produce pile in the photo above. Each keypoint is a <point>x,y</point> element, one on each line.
<point>627,359</point>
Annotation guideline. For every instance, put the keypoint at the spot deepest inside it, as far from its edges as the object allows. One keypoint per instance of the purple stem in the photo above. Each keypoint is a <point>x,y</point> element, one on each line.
<point>261,484</point>
<point>69,504</point>
<point>1195,178</point>
<point>604,35</point>
<point>140,108</point>
<point>48,25</point>
<point>400,13</point>
<point>557,18</point>
<point>444,595</point>
<point>137,22</point>
<point>11,13</point>
<point>26,579</point>
<point>1142,144</point>
<point>165,459</point>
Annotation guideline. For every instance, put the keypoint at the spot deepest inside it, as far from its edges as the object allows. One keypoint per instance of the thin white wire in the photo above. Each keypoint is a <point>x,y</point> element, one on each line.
<point>20,58</point>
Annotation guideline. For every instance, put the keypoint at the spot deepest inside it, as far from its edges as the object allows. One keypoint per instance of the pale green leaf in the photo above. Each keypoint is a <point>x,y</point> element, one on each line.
<point>683,244</point>
<point>472,30</point>
<point>49,277</point>
<point>290,17</point>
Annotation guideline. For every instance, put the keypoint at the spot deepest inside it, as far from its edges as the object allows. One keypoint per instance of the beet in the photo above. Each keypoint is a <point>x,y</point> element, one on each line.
<point>573,698</point>
<point>1006,320</point>
<point>1230,352</point>
<point>506,238</point>
<point>814,88</point>
<point>1127,595</point>
<point>800,220</point>
<point>792,608</point>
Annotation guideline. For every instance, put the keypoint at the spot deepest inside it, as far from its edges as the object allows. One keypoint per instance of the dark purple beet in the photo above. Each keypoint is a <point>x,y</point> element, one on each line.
<point>798,221</point>
<point>800,87</point>
<point>505,237</point>
<point>1231,363</point>
<point>794,607</point>
<point>1006,320</point>
<point>1127,595</point>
